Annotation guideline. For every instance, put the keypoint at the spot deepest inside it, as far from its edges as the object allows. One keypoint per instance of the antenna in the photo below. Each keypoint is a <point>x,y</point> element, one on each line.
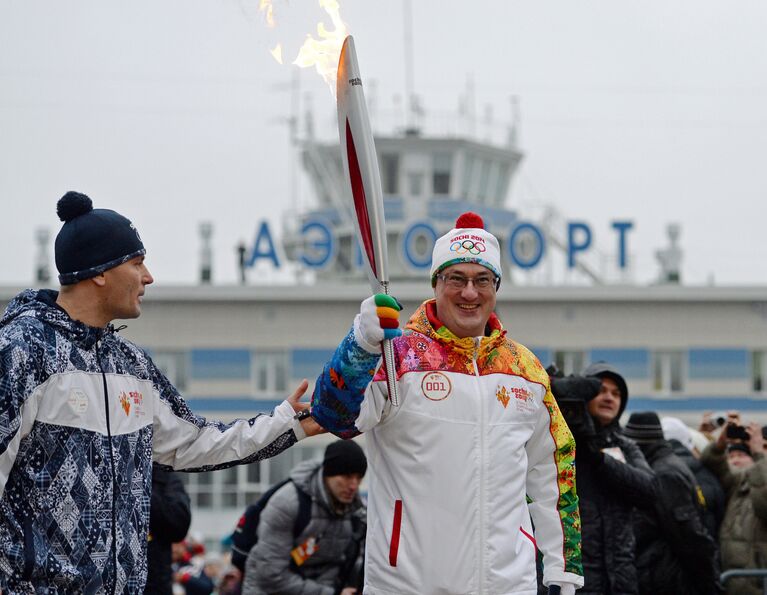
<point>241,258</point>
<point>470,108</point>
<point>410,103</point>
<point>295,107</point>
<point>206,253</point>
<point>488,121</point>
<point>670,258</point>
<point>516,121</point>
<point>42,265</point>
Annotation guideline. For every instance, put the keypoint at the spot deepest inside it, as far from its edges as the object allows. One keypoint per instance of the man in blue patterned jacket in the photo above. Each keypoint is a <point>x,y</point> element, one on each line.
<point>83,412</point>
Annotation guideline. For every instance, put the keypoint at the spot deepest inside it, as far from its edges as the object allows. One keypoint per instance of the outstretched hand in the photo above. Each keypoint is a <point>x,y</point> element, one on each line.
<point>311,427</point>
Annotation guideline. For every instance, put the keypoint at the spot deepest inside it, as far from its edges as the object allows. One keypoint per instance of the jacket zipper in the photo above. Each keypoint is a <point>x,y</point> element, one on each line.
<point>481,548</point>
<point>112,467</point>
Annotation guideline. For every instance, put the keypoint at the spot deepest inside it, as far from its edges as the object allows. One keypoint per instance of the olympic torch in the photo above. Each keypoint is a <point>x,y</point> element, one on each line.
<point>358,155</point>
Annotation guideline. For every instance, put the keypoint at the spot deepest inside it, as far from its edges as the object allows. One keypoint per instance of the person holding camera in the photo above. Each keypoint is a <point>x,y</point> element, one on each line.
<point>675,552</point>
<point>742,468</point>
<point>680,438</point>
<point>613,477</point>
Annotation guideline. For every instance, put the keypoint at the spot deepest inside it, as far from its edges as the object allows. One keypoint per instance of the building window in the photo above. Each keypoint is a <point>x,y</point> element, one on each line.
<point>390,170</point>
<point>759,371</point>
<point>270,372</point>
<point>468,173</point>
<point>200,488</point>
<point>502,183</point>
<point>238,486</point>
<point>415,183</point>
<point>484,179</point>
<point>252,485</point>
<point>442,164</point>
<point>279,467</point>
<point>569,362</point>
<point>668,371</point>
<point>173,364</point>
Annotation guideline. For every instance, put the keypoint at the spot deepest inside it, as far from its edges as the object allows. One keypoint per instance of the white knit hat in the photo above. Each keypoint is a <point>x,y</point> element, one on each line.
<point>469,241</point>
<point>675,429</point>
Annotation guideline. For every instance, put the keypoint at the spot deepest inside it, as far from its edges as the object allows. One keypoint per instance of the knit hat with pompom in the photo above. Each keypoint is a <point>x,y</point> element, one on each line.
<point>92,241</point>
<point>469,241</point>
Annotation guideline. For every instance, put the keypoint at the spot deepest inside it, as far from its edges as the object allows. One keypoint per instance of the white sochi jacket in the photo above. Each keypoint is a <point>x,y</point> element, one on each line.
<point>476,434</point>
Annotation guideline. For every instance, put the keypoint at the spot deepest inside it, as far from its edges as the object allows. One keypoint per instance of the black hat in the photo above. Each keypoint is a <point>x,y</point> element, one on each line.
<point>92,241</point>
<point>644,427</point>
<point>741,446</point>
<point>344,457</point>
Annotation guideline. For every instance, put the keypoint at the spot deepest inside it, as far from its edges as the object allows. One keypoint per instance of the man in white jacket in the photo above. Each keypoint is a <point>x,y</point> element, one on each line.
<point>474,468</point>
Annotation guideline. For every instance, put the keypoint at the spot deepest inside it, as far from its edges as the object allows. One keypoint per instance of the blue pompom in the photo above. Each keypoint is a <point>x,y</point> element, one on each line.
<point>73,204</point>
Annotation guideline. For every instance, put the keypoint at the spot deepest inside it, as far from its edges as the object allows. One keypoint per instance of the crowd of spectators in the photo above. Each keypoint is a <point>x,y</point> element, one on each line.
<point>665,507</point>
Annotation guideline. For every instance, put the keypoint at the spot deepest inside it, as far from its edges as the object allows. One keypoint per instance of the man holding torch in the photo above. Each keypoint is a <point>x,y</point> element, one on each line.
<point>474,448</point>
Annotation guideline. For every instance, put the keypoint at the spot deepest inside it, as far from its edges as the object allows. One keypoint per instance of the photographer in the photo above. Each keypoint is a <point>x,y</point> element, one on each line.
<point>742,468</point>
<point>675,553</point>
<point>613,477</point>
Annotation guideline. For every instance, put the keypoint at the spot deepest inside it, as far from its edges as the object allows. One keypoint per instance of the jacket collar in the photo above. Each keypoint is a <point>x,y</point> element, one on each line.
<point>41,304</point>
<point>426,322</point>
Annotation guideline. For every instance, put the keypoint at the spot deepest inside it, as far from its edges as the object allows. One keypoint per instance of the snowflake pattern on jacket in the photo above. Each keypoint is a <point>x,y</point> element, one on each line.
<point>74,500</point>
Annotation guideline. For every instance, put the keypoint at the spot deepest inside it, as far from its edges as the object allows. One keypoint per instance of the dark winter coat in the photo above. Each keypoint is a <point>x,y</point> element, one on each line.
<point>269,568</point>
<point>743,535</point>
<point>675,553</point>
<point>169,520</point>
<point>711,489</point>
<point>608,490</point>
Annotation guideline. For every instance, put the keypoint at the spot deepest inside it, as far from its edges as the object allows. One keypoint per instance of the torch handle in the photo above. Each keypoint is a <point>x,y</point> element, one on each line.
<point>388,357</point>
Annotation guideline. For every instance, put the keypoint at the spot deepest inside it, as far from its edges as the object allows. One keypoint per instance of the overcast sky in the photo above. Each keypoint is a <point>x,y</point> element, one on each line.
<point>173,112</point>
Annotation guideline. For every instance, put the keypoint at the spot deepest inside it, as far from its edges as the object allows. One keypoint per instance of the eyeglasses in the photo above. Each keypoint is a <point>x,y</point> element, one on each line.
<point>480,282</point>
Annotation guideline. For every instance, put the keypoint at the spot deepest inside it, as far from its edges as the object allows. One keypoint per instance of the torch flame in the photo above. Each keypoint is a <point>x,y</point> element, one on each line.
<point>323,53</point>
<point>266,7</point>
<point>277,52</point>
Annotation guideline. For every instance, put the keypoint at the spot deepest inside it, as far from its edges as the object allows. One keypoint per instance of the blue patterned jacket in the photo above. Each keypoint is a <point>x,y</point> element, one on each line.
<point>83,412</point>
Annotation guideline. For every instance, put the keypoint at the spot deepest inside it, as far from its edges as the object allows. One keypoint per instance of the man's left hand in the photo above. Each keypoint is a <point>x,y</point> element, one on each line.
<point>310,427</point>
<point>379,319</point>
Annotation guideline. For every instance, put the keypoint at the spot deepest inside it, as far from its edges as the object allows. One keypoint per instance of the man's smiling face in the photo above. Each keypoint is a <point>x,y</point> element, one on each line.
<point>465,311</point>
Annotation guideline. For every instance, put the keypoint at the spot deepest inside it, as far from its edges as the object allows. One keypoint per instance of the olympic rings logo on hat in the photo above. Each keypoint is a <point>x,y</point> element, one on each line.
<point>468,247</point>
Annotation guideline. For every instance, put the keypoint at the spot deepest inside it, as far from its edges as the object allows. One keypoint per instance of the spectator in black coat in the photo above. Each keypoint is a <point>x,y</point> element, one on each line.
<point>169,519</point>
<point>675,553</point>
<point>713,498</point>
<point>612,478</point>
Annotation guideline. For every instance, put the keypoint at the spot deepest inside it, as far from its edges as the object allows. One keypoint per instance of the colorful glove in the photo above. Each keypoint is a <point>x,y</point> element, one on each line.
<point>378,320</point>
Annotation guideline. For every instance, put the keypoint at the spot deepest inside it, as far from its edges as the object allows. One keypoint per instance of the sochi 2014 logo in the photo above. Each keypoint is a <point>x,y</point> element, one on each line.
<point>468,244</point>
<point>132,399</point>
